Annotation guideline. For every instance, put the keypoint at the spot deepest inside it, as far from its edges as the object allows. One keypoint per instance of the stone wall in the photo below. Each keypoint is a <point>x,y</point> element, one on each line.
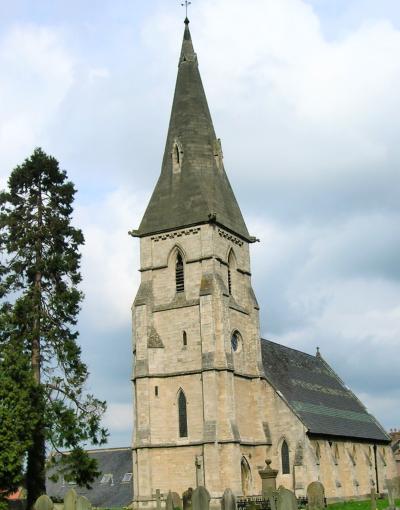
<point>182,341</point>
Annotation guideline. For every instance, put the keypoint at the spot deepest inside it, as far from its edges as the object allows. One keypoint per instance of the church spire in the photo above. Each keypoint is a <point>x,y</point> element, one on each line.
<point>193,187</point>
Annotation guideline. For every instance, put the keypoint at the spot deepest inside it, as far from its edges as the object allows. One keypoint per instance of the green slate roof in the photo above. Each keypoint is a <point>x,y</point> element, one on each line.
<point>200,192</point>
<point>318,396</point>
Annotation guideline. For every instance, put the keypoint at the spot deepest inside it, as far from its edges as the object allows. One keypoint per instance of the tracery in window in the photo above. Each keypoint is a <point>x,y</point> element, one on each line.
<point>236,341</point>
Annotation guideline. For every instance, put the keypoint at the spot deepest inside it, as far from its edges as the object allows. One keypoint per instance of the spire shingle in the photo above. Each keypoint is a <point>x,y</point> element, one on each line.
<point>193,187</point>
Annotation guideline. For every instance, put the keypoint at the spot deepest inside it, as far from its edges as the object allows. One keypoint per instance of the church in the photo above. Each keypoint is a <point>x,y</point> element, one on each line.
<point>212,400</point>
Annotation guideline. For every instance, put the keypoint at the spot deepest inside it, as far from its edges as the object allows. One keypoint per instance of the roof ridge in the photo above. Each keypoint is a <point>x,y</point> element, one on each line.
<point>290,348</point>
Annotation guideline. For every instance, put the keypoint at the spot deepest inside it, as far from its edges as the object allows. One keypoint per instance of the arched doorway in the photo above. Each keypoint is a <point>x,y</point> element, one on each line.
<point>246,477</point>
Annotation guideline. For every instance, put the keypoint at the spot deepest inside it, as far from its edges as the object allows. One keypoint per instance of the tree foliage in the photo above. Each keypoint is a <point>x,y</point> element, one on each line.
<point>39,278</point>
<point>17,417</point>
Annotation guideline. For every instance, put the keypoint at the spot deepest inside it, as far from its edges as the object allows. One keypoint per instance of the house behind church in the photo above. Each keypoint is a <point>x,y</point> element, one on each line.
<point>111,489</point>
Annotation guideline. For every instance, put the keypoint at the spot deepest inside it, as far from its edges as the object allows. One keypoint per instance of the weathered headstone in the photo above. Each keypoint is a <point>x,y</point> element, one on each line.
<point>396,481</point>
<point>169,504</point>
<point>187,499</point>
<point>228,500</point>
<point>286,499</point>
<point>391,487</point>
<point>268,479</point>
<point>43,503</point>
<point>70,500</point>
<point>177,501</point>
<point>83,503</point>
<point>201,499</point>
<point>316,496</point>
<point>373,499</point>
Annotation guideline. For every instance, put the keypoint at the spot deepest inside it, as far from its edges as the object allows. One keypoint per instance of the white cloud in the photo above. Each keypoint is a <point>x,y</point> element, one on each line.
<point>119,417</point>
<point>310,134</point>
<point>110,259</point>
<point>38,72</point>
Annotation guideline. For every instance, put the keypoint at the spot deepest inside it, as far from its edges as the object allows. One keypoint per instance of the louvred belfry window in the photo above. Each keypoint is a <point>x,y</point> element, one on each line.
<point>179,274</point>
<point>183,428</point>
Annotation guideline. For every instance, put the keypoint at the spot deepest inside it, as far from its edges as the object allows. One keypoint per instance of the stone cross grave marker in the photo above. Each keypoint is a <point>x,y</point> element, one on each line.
<point>157,496</point>
<point>201,498</point>
<point>187,499</point>
<point>228,500</point>
<point>43,503</point>
<point>316,496</point>
<point>83,503</point>
<point>286,499</point>
<point>70,500</point>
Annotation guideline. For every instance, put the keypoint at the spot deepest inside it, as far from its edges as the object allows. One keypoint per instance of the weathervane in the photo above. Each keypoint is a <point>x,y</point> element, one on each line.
<point>186,5</point>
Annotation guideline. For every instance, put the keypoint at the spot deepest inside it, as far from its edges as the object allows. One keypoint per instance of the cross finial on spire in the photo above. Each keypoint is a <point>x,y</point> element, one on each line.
<point>186,5</point>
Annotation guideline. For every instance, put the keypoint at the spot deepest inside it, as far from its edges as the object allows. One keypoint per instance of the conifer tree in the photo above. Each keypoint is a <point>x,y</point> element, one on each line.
<point>39,278</point>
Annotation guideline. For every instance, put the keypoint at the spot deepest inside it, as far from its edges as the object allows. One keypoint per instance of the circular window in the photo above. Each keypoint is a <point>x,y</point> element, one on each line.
<point>236,341</point>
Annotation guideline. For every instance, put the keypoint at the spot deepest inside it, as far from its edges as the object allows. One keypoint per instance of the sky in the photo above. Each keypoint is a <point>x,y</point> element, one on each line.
<point>305,95</point>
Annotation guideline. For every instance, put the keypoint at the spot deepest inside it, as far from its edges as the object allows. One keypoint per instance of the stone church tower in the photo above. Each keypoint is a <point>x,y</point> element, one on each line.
<point>198,394</point>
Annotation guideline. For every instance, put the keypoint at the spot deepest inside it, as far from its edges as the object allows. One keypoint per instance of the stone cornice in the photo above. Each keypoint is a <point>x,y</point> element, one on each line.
<point>198,371</point>
<point>200,443</point>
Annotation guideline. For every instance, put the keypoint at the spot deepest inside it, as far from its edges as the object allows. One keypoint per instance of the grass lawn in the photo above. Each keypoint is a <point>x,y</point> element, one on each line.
<point>361,505</point>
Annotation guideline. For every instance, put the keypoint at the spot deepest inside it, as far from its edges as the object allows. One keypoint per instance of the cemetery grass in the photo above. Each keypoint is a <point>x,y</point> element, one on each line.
<point>361,505</point>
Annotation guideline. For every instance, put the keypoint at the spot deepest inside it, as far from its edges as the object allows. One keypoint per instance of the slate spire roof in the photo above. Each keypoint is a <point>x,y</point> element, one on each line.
<point>193,188</point>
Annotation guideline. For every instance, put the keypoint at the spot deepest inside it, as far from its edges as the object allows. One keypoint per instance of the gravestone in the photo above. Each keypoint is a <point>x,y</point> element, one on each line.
<point>83,503</point>
<point>392,490</point>
<point>373,499</point>
<point>157,497</point>
<point>286,499</point>
<point>187,499</point>
<point>268,479</point>
<point>201,499</point>
<point>173,501</point>
<point>396,481</point>
<point>316,496</point>
<point>43,503</point>
<point>70,500</point>
<point>177,501</point>
<point>228,500</point>
<point>169,504</point>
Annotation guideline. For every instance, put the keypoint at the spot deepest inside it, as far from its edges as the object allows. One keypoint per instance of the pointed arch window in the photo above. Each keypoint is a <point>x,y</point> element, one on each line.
<point>184,339</point>
<point>246,476</point>
<point>179,274</point>
<point>231,267</point>
<point>285,458</point>
<point>182,414</point>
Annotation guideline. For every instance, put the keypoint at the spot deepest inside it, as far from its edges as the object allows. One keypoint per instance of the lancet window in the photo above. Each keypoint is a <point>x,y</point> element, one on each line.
<point>182,414</point>
<point>285,458</point>
<point>179,274</point>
